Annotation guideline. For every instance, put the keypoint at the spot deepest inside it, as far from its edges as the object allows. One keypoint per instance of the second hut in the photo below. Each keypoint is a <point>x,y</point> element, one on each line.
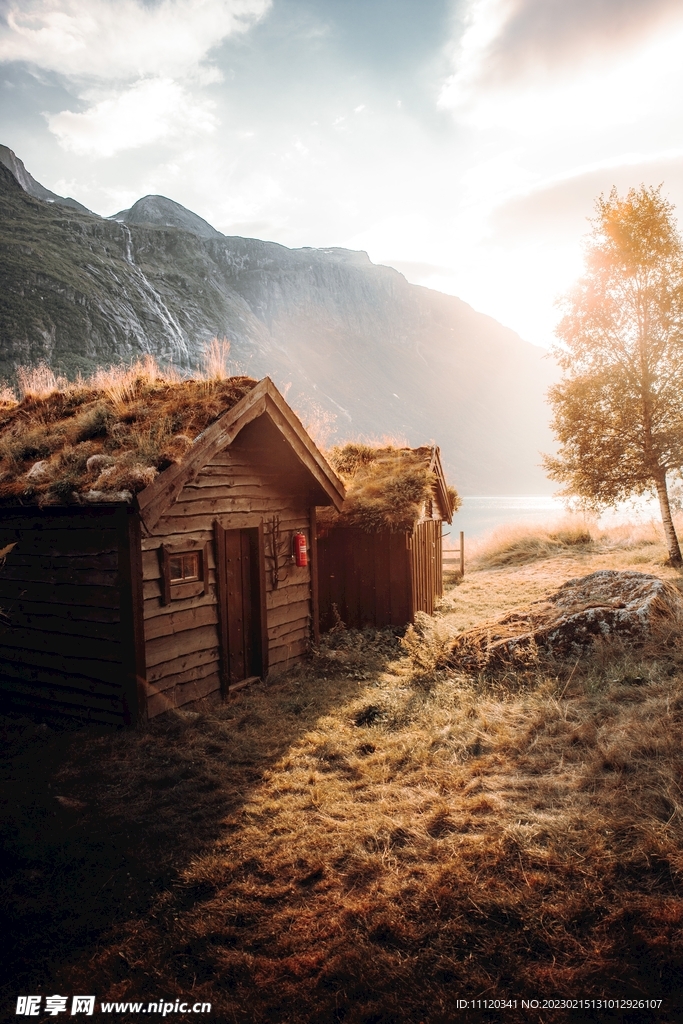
<point>380,557</point>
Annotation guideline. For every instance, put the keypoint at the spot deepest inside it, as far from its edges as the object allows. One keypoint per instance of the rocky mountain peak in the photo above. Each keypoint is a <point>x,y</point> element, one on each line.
<point>29,184</point>
<point>159,211</point>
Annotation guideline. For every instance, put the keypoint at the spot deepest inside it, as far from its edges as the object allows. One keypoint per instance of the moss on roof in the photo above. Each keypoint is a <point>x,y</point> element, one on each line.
<point>106,438</point>
<point>386,487</point>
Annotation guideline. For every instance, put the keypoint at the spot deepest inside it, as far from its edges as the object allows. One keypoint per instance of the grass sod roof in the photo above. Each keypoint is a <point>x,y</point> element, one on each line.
<point>107,438</point>
<point>386,487</point>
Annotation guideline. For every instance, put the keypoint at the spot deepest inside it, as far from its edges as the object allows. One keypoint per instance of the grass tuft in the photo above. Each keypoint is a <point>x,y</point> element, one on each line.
<point>386,487</point>
<point>518,543</point>
<point>39,381</point>
<point>216,357</point>
<point>137,418</point>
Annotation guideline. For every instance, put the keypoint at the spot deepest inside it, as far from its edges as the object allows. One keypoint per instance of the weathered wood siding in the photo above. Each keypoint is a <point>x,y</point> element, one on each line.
<point>67,636</point>
<point>426,565</point>
<point>182,643</point>
<point>366,576</point>
<point>378,579</point>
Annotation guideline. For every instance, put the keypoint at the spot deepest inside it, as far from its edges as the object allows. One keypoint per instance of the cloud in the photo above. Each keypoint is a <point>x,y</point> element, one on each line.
<point>121,39</point>
<point>559,209</point>
<point>524,65</point>
<point>150,111</point>
<point>570,103</point>
<point>503,40</point>
<point>137,65</point>
<point>552,30</point>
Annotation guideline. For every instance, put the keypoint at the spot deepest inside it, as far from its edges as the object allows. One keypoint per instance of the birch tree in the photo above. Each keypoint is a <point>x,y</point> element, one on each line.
<point>618,410</point>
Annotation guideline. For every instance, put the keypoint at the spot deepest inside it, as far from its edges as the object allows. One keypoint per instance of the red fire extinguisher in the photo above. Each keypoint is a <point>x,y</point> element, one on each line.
<point>300,553</point>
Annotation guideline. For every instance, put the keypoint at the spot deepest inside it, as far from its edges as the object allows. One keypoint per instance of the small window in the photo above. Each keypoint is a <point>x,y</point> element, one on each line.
<point>184,568</point>
<point>183,573</point>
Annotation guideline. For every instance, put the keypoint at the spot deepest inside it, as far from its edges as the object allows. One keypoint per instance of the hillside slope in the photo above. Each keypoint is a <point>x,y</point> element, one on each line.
<point>352,338</point>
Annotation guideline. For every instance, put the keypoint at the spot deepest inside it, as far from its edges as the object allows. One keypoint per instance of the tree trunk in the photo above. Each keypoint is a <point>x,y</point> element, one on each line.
<point>669,531</point>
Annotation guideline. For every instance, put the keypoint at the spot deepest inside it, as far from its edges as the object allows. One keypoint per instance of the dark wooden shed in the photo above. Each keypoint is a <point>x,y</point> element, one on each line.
<point>380,558</point>
<point>119,604</point>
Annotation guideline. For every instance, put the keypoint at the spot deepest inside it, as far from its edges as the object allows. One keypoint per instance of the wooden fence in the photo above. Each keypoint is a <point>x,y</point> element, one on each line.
<point>458,558</point>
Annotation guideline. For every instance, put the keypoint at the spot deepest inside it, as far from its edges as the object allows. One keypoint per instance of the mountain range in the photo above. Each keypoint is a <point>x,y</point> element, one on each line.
<point>359,351</point>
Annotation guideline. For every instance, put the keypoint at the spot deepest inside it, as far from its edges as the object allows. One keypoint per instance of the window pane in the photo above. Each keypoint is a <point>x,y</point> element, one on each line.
<point>184,567</point>
<point>191,566</point>
<point>176,567</point>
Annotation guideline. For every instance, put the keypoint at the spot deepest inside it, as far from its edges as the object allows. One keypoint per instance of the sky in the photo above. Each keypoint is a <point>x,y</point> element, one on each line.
<point>463,142</point>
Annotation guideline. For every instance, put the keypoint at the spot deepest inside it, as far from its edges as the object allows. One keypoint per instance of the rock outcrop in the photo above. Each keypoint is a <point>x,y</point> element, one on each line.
<point>631,606</point>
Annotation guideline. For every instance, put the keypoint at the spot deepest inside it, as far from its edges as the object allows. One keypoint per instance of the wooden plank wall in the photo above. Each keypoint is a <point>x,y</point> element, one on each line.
<point>366,575</point>
<point>426,564</point>
<point>62,648</point>
<point>182,638</point>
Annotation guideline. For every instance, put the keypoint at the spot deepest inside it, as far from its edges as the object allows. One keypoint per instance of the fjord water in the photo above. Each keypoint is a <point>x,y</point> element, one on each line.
<point>480,515</point>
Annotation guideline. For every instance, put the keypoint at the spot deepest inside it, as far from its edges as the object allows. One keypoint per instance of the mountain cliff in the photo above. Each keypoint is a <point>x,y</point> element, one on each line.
<point>29,184</point>
<point>348,337</point>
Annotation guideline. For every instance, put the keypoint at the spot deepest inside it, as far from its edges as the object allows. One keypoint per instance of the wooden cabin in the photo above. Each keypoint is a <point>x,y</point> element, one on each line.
<point>134,588</point>
<point>380,560</point>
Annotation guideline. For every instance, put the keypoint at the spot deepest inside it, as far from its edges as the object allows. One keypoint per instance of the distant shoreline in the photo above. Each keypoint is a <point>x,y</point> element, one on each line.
<point>480,514</point>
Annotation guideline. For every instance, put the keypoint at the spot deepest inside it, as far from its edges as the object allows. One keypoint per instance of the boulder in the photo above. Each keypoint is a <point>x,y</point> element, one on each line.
<point>632,606</point>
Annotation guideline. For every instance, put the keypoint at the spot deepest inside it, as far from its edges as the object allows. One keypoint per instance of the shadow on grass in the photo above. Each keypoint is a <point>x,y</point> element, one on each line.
<point>344,847</point>
<point>97,825</point>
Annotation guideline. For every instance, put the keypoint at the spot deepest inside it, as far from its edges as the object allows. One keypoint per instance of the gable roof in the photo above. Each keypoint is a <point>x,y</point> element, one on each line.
<point>263,400</point>
<point>444,492</point>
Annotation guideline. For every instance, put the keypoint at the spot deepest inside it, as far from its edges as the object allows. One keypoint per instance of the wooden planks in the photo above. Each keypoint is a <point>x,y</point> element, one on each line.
<point>168,648</point>
<point>67,667</point>
<point>177,621</point>
<point>284,656</point>
<point>227,502</point>
<point>66,612</point>
<point>42,570</point>
<point>65,644</point>
<point>86,590</point>
<point>132,617</point>
<point>366,576</point>
<point>244,513</point>
<point>243,612</point>
<point>156,498</point>
<point>27,622</point>
<point>289,593</point>
<point>426,564</point>
<point>66,594</point>
<point>190,675</point>
<point>238,603</point>
<point>183,663</point>
<point>315,597</point>
<point>179,693</point>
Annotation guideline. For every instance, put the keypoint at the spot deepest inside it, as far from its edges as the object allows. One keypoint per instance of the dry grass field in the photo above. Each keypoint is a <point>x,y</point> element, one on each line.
<point>367,840</point>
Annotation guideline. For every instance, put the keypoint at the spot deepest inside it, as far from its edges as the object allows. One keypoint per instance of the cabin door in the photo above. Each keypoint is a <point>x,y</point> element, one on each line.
<point>241,603</point>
